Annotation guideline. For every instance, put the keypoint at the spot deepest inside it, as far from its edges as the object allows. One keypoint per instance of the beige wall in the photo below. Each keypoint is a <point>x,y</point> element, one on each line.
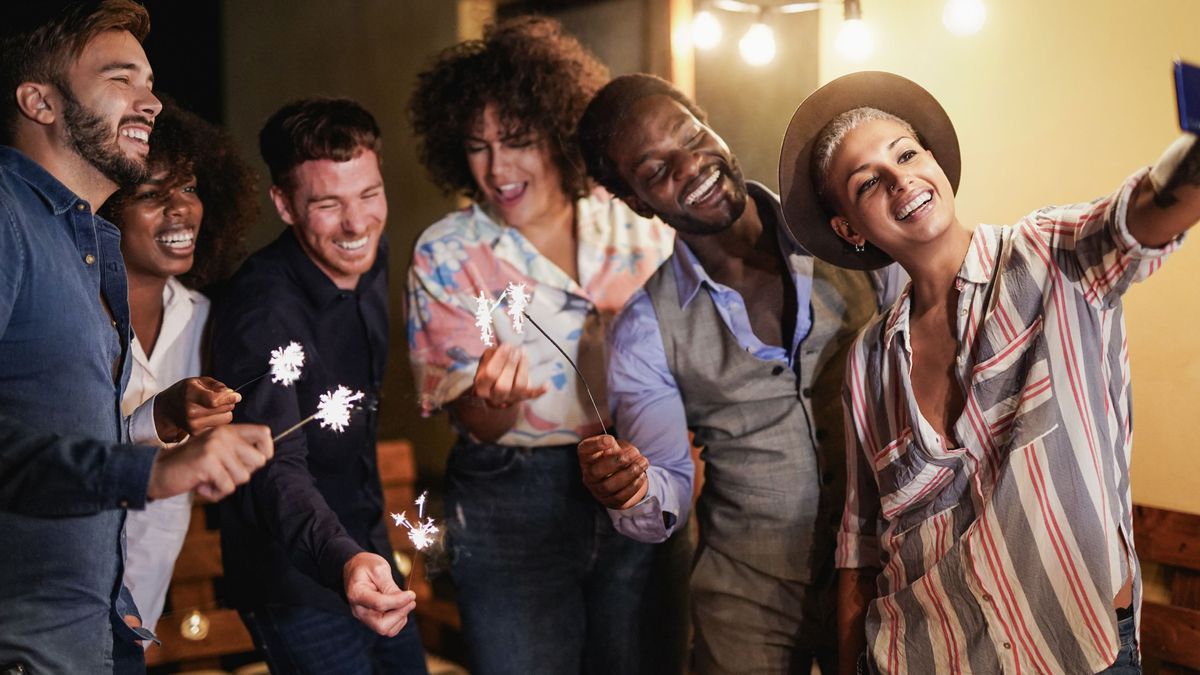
<point>1057,101</point>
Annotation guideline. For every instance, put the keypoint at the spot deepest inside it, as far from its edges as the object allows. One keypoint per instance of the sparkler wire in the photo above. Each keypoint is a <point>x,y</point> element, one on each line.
<point>571,361</point>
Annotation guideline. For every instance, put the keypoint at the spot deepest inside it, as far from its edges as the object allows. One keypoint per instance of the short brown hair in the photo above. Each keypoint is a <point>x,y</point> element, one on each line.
<point>537,76</point>
<point>41,42</point>
<point>316,128</point>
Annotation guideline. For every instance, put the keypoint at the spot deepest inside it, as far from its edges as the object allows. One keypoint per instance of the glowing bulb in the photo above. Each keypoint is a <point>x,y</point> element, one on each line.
<point>964,17</point>
<point>854,40</point>
<point>706,30</point>
<point>758,45</point>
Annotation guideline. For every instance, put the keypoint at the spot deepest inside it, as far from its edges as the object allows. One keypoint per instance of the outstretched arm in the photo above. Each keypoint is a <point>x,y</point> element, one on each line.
<point>1167,201</point>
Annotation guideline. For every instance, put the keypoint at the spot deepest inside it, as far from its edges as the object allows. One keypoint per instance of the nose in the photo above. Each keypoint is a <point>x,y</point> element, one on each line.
<point>685,164</point>
<point>499,159</point>
<point>354,218</point>
<point>179,203</point>
<point>149,105</point>
<point>897,179</point>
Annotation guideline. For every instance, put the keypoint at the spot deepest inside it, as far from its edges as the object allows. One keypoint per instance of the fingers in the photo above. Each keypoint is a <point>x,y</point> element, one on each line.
<point>208,403</point>
<point>502,377</point>
<point>374,597</point>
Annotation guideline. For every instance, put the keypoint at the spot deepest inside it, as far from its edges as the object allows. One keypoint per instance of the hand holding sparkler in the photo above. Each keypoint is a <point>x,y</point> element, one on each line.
<point>613,471</point>
<point>192,405</point>
<point>421,534</point>
<point>212,462</point>
<point>373,595</point>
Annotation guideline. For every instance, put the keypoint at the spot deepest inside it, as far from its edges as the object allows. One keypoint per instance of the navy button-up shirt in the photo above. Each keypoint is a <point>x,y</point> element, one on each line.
<point>287,534</point>
<point>66,472</point>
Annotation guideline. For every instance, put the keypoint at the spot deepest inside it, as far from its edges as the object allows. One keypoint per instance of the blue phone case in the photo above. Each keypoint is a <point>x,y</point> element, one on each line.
<point>1187,94</point>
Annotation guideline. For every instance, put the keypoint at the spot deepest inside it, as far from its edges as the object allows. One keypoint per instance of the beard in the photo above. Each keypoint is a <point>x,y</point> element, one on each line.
<point>736,202</point>
<point>92,138</point>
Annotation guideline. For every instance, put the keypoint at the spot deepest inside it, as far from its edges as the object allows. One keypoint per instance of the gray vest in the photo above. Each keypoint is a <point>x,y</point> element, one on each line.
<point>774,477</point>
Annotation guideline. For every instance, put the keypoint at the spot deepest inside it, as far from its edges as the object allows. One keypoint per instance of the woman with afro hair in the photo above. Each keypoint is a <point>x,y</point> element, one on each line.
<point>545,584</point>
<point>181,229</point>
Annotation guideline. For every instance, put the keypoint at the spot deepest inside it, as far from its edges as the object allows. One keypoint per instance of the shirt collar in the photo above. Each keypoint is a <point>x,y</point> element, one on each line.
<point>320,288</point>
<point>58,196</point>
<point>690,275</point>
<point>977,268</point>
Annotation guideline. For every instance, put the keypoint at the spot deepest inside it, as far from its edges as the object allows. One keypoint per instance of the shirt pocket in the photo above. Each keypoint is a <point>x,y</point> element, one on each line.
<point>1009,388</point>
<point>914,485</point>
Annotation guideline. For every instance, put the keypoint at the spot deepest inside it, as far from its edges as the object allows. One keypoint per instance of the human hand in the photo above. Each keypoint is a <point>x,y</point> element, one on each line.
<point>193,405</point>
<point>502,377</point>
<point>613,471</point>
<point>212,462</point>
<point>374,597</point>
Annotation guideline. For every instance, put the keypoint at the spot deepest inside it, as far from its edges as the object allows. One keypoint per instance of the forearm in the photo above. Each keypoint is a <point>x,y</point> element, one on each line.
<point>485,422</point>
<point>1167,201</point>
<point>856,589</point>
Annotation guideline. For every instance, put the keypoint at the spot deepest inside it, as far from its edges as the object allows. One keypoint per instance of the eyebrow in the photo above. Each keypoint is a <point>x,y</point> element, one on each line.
<point>679,122</point>
<point>889,147</point>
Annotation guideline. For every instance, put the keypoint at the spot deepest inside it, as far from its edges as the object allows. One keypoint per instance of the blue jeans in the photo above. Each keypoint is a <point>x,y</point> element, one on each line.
<point>1128,662</point>
<point>316,642</point>
<point>545,584</point>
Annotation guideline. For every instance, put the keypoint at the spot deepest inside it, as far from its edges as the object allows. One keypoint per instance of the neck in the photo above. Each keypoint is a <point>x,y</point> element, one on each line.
<point>934,268</point>
<point>746,246</point>
<point>42,146</point>
<point>146,307</point>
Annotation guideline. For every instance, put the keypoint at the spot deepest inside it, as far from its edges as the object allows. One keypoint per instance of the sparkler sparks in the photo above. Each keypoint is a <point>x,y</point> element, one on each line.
<point>334,409</point>
<point>421,534</point>
<point>515,297</point>
<point>483,318</point>
<point>517,300</point>
<point>286,363</point>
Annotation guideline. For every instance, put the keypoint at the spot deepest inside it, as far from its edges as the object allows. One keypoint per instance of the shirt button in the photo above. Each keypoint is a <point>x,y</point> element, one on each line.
<point>81,207</point>
<point>987,598</point>
<point>124,503</point>
<point>964,311</point>
<point>1007,645</point>
<point>777,370</point>
<point>806,392</point>
<point>89,258</point>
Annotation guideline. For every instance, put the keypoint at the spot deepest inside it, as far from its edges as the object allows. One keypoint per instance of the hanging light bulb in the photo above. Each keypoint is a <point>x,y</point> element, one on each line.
<point>758,45</point>
<point>854,40</point>
<point>964,17</point>
<point>706,30</point>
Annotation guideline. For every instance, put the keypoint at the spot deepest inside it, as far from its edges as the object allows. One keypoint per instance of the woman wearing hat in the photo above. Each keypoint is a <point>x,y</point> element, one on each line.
<point>988,524</point>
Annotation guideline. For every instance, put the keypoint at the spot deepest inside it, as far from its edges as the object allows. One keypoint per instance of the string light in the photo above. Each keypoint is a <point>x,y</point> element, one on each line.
<point>854,40</point>
<point>706,30</point>
<point>757,46</point>
<point>964,17</point>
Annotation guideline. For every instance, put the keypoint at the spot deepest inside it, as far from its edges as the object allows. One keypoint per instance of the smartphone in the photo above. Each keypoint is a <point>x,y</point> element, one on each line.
<point>1187,95</point>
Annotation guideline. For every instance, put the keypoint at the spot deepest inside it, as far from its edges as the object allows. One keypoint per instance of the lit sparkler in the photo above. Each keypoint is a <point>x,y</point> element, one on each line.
<point>285,366</point>
<point>421,534</point>
<point>333,411</point>
<point>483,318</point>
<point>517,301</point>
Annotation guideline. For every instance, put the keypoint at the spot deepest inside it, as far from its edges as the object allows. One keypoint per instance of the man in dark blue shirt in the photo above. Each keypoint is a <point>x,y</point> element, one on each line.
<point>77,115</point>
<point>305,546</point>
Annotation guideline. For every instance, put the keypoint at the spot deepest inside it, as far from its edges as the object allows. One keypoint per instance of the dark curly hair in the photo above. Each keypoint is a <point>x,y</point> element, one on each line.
<point>607,112</point>
<point>185,145</point>
<point>538,77</point>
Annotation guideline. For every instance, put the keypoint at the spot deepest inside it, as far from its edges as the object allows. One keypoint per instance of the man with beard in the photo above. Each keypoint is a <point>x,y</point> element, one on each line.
<point>78,115</point>
<point>741,337</point>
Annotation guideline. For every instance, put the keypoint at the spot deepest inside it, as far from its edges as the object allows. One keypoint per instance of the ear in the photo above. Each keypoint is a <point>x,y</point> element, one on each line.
<point>639,207</point>
<point>283,205</point>
<point>844,230</point>
<point>37,102</point>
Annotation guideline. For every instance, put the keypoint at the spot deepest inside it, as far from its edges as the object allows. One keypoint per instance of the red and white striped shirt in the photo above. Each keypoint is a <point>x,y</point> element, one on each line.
<point>1003,552</point>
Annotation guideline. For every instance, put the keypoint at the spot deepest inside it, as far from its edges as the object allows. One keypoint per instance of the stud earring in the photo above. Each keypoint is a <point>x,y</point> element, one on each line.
<point>859,248</point>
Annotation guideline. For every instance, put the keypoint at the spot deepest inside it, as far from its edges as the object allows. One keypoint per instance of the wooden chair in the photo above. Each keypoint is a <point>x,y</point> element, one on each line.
<point>1170,632</point>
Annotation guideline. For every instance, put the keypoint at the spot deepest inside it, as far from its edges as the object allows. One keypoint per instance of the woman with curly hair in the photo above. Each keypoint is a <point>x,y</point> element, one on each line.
<point>181,229</point>
<point>545,583</point>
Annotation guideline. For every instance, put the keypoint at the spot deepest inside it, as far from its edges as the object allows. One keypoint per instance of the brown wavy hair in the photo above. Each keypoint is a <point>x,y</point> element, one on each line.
<point>537,76</point>
<point>40,40</point>
<point>185,144</point>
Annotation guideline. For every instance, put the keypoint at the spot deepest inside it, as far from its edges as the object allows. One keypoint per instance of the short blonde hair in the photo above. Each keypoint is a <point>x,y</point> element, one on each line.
<point>830,139</point>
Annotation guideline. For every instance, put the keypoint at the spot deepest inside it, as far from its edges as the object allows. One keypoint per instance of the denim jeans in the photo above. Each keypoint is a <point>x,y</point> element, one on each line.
<point>1129,661</point>
<point>545,584</point>
<point>310,641</point>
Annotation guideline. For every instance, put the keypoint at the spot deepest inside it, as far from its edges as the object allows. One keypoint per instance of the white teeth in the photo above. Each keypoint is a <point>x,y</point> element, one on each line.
<point>913,205</point>
<point>352,245</point>
<point>182,239</point>
<point>137,134</point>
<point>507,188</point>
<point>703,188</point>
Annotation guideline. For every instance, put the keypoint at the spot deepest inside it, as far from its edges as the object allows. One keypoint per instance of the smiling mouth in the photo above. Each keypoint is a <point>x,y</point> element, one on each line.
<point>353,245</point>
<point>137,134</point>
<point>509,193</point>
<point>913,205</point>
<point>177,239</point>
<point>704,189</point>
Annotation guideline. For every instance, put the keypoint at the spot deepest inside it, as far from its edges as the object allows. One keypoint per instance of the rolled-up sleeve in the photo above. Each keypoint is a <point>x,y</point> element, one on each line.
<point>648,410</point>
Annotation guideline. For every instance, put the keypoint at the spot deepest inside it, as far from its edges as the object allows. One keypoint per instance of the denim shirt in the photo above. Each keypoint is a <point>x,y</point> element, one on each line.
<point>66,470</point>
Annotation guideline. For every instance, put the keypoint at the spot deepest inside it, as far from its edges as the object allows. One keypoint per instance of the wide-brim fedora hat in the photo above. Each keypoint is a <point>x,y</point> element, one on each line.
<point>806,218</point>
